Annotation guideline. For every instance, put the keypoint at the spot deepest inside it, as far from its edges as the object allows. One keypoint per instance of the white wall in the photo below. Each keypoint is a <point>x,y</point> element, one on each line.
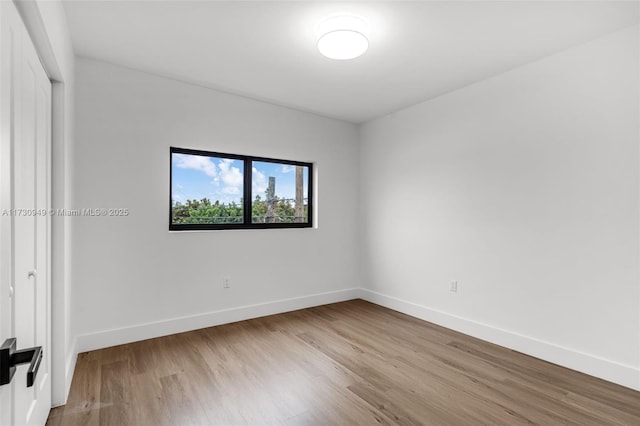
<point>47,26</point>
<point>133,278</point>
<point>524,188</point>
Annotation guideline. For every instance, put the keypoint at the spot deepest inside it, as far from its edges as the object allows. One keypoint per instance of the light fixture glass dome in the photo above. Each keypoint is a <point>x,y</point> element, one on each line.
<point>343,37</point>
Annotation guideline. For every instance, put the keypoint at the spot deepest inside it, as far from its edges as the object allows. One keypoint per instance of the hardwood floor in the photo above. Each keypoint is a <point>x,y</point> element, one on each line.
<point>350,363</point>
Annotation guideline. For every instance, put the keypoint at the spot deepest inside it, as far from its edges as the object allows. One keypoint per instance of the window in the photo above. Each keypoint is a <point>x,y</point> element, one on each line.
<point>211,190</point>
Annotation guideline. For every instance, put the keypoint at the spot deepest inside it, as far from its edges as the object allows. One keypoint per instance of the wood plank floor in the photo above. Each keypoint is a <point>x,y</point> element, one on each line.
<point>350,363</point>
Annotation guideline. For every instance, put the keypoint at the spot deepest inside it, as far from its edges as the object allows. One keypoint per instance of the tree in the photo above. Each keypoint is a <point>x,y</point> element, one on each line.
<point>204,211</point>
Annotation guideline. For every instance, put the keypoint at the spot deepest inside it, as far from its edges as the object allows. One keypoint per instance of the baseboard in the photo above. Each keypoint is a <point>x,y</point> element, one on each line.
<point>70,367</point>
<point>106,338</point>
<point>625,375</point>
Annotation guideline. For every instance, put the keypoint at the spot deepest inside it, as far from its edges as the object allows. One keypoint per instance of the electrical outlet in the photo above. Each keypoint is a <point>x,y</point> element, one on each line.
<point>454,286</point>
<point>226,281</point>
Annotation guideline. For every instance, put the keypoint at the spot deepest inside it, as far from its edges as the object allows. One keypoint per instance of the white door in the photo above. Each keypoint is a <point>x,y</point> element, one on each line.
<point>25,158</point>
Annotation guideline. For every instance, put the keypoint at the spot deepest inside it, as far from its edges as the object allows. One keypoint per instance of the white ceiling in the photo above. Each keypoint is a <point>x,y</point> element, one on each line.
<point>266,49</point>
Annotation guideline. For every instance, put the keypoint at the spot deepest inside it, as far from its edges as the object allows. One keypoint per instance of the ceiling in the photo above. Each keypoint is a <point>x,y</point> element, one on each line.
<point>266,49</point>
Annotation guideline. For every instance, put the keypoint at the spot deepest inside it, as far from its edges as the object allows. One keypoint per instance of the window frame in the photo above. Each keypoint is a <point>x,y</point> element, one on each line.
<point>247,193</point>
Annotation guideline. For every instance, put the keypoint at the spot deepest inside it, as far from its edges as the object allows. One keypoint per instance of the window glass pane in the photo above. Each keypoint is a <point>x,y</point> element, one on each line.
<point>206,189</point>
<point>280,193</point>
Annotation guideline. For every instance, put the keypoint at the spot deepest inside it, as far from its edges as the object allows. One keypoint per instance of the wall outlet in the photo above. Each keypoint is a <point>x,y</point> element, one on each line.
<point>226,281</point>
<point>454,286</point>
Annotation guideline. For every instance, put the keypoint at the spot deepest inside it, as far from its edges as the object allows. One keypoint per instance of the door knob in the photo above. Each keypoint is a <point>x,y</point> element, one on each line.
<point>33,274</point>
<point>10,357</point>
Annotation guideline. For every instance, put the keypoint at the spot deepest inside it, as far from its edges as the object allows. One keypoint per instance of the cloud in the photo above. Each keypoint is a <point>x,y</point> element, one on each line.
<point>230,176</point>
<point>287,168</point>
<point>231,190</point>
<point>229,179</point>
<point>196,162</point>
<point>259,184</point>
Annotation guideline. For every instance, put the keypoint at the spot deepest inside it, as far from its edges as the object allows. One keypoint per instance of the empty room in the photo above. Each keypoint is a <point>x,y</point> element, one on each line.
<point>319,213</point>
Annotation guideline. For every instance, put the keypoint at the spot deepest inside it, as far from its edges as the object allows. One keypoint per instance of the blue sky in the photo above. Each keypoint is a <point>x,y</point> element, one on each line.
<point>196,176</point>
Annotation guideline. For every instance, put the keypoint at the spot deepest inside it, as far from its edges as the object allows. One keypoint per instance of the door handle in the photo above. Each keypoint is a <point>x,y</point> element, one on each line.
<point>10,357</point>
<point>32,274</point>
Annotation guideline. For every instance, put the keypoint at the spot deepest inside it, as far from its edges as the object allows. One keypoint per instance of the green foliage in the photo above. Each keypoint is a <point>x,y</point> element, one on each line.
<point>258,209</point>
<point>282,211</point>
<point>204,211</point>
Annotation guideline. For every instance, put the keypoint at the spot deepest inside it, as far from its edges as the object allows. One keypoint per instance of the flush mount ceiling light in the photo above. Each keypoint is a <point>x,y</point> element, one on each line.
<point>343,37</point>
